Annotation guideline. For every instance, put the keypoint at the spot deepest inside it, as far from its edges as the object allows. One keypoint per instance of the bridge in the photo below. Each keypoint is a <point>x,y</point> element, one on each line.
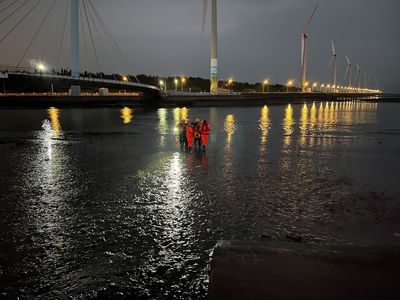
<point>39,78</point>
<point>27,80</point>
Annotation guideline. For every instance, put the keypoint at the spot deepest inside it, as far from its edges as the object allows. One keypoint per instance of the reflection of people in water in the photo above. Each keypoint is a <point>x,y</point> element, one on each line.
<point>205,131</point>
<point>190,162</point>
<point>182,133</point>
<point>204,161</point>
<point>190,136</point>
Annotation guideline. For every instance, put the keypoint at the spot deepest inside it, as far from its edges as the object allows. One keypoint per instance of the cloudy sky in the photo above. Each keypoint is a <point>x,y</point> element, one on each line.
<point>258,39</point>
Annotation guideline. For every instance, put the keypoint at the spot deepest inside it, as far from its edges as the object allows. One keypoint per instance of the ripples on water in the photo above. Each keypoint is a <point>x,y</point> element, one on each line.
<point>101,202</point>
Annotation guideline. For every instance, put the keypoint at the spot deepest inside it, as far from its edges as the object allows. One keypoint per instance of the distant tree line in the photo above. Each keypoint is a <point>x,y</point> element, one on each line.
<point>191,84</point>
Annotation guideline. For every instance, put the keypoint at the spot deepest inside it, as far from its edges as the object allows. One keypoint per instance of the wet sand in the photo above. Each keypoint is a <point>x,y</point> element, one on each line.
<point>102,202</point>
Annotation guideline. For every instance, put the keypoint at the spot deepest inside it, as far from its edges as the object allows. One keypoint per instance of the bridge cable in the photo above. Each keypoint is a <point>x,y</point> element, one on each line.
<point>104,26</point>
<point>102,44</point>
<point>19,22</point>
<point>97,32</point>
<point>106,35</point>
<point>84,38</point>
<point>5,8</point>
<point>91,37</point>
<point>14,12</point>
<point>37,32</point>
<point>62,37</point>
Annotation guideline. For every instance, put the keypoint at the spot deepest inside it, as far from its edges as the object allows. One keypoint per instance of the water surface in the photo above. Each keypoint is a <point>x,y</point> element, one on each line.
<point>98,202</point>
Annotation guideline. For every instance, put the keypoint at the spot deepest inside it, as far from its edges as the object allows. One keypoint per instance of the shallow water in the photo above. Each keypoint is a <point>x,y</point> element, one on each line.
<point>102,202</point>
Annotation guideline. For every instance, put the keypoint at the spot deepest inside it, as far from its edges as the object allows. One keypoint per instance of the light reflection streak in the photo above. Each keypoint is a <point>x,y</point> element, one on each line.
<point>288,125</point>
<point>162,125</point>
<point>50,174</point>
<point>264,125</point>
<point>126,115</point>
<point>229,128</point>
<point>303,124</point>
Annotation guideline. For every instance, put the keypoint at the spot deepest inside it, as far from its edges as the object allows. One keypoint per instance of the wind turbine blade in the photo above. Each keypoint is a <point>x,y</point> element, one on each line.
<point>203,27</point>
<point>347,71</point>
<point>302,51</point>
<point>333,48</point>
<point>310,19</point>
<point>330,62</point>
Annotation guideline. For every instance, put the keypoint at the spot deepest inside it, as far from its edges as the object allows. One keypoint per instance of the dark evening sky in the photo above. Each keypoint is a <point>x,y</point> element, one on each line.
<point>258,39</point>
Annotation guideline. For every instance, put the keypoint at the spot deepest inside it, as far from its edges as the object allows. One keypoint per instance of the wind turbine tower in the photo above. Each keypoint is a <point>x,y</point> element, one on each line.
<point>214,48</point>
<point>348,71</point>
<point>304,37</point>
<point>358,76</point>
<point>214,43</point>
<point>334,61</point>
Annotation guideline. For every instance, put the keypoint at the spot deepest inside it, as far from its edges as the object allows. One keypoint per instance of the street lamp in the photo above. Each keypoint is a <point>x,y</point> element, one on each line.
<point>161,84</point>
<point>183,80</point>
<point>266,82</point>
<point>315,84</point>
<point>305,86</point>
<point>289,84</point>
<point>125,78</point>
<point>41,67</point>
<point>230,81</point>
<point>176,81</point>
<point>321,87</point>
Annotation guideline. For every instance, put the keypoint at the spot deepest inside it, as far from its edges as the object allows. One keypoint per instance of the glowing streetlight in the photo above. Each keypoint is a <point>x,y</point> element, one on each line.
<point>183,80</point>
<point>161,84</point>
<point>41,67</point>
<point>125,78</point>
<point>289,84</point>
<point>176,81</point>
<point>266,83</point>
<point>315,84</point>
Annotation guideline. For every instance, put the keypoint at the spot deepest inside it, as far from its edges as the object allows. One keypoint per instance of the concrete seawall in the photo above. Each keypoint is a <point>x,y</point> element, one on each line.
<point>176,101</point>
<point>283,270</point>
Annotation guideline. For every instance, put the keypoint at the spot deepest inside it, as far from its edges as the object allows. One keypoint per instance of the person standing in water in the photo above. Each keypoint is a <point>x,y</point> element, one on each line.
<point>205,131</point>
<point>197,136</point>
<point>190,136</point>
<point>182,126</point>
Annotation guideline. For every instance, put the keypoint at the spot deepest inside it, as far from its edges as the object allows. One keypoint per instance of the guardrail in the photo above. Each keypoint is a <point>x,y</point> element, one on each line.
<point>55,75</point>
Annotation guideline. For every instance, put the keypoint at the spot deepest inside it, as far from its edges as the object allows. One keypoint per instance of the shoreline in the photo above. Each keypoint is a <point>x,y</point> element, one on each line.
<point>200,100</point>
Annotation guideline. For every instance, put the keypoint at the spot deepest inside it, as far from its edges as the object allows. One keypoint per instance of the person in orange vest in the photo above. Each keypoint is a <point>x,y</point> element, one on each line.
<point>190,136</point>
<point>205,131</point>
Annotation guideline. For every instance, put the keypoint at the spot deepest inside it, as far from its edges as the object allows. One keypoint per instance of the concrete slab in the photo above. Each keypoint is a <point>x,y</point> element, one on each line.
<point>276,270</point>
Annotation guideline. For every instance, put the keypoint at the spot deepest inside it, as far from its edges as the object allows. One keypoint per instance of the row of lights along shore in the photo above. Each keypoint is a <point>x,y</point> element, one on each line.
<point>314,87</point>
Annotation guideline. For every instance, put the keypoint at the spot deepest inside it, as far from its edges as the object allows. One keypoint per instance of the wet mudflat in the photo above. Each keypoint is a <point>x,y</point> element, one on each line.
<point>98,203</point>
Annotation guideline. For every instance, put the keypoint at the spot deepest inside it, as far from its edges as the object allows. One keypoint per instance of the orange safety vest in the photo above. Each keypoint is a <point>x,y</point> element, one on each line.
<point>205,129</point>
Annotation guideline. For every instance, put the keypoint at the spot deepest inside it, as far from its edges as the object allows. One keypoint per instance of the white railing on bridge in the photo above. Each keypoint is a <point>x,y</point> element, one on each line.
<point>32,72</point>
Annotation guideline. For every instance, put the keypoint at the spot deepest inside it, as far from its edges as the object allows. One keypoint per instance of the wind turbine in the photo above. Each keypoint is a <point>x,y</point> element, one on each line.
<point>304,37</point>
<point>214,43</point>
<point>365,80</point>
<point>358,76</point>
<point>348,70</point>
<point>334,62</point>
